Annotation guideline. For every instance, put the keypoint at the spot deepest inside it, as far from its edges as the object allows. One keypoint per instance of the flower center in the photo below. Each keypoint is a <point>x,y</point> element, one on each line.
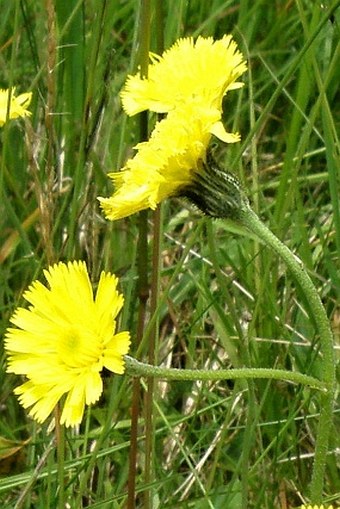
<point>79,348</point>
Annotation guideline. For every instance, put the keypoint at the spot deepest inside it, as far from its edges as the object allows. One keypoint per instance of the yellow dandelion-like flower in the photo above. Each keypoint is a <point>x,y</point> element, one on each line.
<point>165,164</point>
<point>17,106</point>
<point>206,69</point>
<point>63,341</point>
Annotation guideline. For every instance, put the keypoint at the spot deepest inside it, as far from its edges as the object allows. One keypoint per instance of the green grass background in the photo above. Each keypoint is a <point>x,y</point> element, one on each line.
<point>227,301</point>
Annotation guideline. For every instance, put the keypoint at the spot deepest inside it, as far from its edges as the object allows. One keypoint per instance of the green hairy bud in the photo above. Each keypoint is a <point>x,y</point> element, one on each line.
<point>215,192</point>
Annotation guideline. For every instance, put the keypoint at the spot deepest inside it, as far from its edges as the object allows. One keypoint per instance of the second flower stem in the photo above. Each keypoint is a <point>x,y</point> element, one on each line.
<point>249,219</point>
<point>137,368</point>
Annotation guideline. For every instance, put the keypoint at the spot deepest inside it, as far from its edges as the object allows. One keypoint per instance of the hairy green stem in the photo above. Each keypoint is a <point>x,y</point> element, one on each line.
<point>137,368</point>
<point>249,219</point>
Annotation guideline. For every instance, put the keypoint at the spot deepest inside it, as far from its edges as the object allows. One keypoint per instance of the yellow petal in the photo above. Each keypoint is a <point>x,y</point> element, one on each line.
<point>219,131</point>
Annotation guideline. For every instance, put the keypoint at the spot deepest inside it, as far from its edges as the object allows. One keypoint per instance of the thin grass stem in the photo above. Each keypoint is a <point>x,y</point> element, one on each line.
<point>142,268</point>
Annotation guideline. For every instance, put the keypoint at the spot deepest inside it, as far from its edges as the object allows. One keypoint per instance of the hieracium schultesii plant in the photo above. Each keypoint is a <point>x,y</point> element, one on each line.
<point>67,335</point>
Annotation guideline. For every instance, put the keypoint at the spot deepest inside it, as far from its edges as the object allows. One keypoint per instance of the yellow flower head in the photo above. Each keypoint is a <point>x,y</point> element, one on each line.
<point>188,82</point>
<point>206,69</point>
<point>17,107</point>
<point>64,339</point>
<point>165,164</point>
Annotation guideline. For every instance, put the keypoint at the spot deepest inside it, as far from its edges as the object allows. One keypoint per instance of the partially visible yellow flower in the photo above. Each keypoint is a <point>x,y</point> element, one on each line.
<point>63,341</point>
<point>316,506</point>
<point>17,107</point>
<point>165,164</point>
<point>206,69</point>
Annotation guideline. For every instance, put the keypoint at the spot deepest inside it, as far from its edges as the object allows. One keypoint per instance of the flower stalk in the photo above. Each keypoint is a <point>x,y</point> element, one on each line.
<point>137,368</point>
<point>249,219</point>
